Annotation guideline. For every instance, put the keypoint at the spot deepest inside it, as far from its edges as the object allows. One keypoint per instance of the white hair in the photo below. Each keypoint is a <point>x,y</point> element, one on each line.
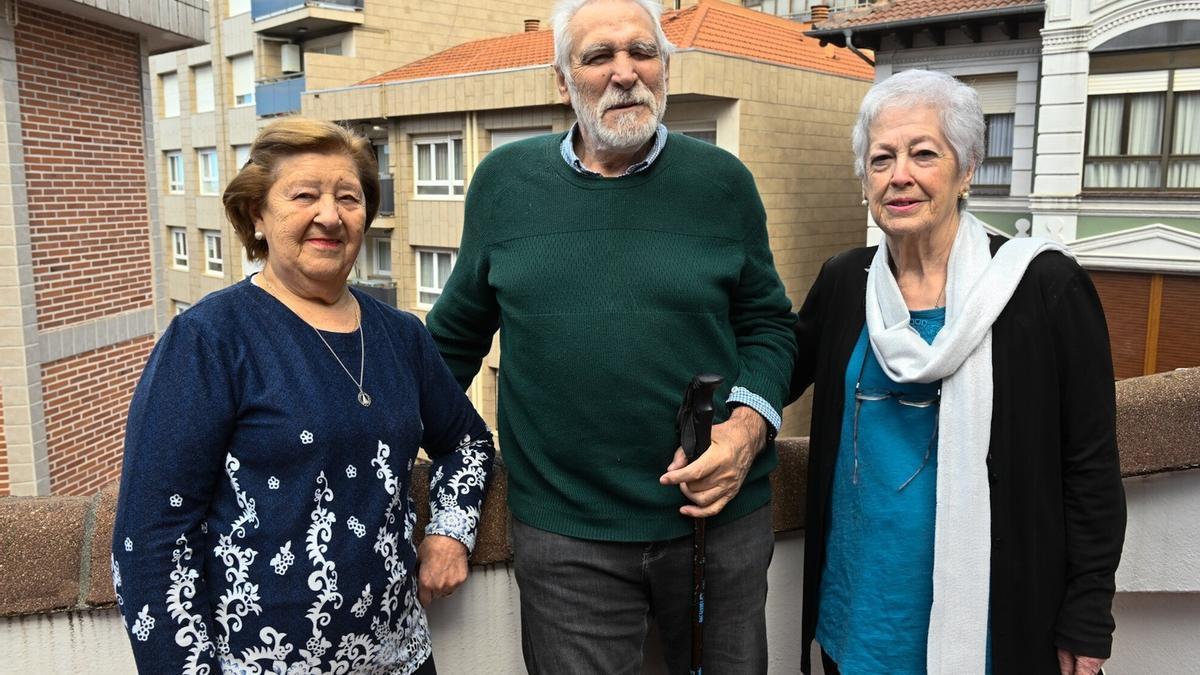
<point>957,105</point>
<point>565,10</point>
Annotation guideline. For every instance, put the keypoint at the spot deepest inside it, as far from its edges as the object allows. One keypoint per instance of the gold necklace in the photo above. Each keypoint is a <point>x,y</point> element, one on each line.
<point>364,398</point>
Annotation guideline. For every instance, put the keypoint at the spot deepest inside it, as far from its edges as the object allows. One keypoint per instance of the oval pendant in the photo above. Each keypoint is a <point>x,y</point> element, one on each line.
<point>364,398</point>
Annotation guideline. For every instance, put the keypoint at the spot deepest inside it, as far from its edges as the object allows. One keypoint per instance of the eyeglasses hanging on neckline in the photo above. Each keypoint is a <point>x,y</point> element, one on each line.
<point>911,400</point>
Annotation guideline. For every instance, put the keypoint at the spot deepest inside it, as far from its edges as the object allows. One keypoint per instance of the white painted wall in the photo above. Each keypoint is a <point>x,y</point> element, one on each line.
<point>478,629</point>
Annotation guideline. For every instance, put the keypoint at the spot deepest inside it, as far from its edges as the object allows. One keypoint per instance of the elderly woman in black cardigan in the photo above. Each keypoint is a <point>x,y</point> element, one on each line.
<point>965,508</point>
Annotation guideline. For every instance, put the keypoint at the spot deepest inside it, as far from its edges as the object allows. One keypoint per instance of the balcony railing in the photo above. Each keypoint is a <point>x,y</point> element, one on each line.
<point>279,96</point>
<point>383,291</point>
<point>387,195</point>
<point>261,9</point>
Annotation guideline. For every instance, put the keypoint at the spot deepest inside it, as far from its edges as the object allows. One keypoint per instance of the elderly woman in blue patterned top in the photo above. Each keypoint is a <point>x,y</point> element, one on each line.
<point>965,510</point>
<point>264,522</point>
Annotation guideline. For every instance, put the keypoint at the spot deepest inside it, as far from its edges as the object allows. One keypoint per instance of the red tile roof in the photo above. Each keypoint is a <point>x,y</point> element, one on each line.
<point>711,25</point>
<point>899,11</point>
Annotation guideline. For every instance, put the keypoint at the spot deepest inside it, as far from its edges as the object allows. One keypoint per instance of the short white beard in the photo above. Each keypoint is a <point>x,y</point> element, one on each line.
<point>628,134</point>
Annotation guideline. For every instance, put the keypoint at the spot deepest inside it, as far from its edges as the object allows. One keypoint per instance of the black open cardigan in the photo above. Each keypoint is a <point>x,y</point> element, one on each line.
<point>1058,506</point>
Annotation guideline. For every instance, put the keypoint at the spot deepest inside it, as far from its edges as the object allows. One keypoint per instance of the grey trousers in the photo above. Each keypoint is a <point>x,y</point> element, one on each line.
<point>585,605</point>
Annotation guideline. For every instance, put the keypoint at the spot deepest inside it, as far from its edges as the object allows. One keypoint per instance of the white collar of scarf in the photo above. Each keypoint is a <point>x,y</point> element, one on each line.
<point>978,286</point>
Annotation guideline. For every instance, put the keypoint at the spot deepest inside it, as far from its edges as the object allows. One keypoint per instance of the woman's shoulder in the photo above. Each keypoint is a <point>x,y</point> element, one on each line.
<point>852,260</point>
<point>217,310</point>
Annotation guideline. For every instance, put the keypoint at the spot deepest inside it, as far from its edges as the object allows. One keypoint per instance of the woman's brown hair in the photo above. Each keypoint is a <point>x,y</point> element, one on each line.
<point>245,194</point>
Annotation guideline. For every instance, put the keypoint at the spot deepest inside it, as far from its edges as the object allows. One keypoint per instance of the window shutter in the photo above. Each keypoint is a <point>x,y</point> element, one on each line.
<point>170,87</point>
<point>1127,83</point>
<point>243,75</point>
<point>1187,80</point>
<point>1177,343</point>
<point>202,76</point>
<point>1125,297</point>
<point>997,93</point>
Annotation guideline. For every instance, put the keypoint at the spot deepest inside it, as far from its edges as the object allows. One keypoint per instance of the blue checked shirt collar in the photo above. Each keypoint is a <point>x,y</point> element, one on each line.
<point>567,148</point>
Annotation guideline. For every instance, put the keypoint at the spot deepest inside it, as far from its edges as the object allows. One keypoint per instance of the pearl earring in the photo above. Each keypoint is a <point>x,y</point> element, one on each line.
<point>259,236</point>
<point>864,201</point>
<point>966,194</point>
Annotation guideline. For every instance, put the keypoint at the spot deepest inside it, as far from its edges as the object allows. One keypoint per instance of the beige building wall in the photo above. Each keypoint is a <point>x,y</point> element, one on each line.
<point>794,136</point>
<point>222,128</point>
<point>384,35</point>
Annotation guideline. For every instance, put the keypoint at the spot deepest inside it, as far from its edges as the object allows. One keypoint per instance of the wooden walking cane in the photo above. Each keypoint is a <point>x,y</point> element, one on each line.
<point>694,423</point>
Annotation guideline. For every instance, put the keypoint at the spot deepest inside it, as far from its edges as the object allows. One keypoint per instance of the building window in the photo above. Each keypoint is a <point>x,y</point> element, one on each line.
<point>210,182</point>
<point>175,172</point>
<point>383,256</point>
<point>179,249</point>
<point>170,91</point>
<point>1143,131</point>
<point>338,44</point>
<point>238,7</point>
<point>181,307</point>
<point>439,166</point>
<point>241,155</point>
<point>433,269</point>
<point>502,137</point>
<point>243,79</point>
<point>213,262</point>
<point>800,7</point>
<point>996,169</point>
<point>202,82</point>
<point>702,130</point>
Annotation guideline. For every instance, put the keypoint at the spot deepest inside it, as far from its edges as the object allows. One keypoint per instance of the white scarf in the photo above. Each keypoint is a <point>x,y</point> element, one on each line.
<point>978,287</point>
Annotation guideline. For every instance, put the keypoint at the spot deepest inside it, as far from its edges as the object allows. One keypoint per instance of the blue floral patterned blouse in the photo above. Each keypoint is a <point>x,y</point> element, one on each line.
<point>264,522</point>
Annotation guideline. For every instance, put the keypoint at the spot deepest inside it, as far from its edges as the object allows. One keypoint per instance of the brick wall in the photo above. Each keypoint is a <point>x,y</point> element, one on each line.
<point>86,403</point>
<point>82,128</point>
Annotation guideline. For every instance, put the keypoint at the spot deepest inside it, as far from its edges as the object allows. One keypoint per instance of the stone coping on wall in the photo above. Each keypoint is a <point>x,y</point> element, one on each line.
<point>54,551</point>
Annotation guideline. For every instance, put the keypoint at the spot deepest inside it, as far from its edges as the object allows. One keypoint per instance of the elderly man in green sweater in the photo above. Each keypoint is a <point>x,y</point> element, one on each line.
<point>618,260</point>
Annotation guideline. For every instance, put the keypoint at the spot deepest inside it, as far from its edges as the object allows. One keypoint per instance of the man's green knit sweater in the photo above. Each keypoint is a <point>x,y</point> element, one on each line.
<point>610,294</point>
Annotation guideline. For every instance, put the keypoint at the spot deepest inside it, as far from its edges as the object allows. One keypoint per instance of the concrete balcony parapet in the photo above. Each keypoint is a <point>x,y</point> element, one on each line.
<point>54,551</point>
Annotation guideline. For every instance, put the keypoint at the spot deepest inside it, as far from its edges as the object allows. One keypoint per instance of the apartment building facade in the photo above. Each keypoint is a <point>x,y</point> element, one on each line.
<point>1093,112</point>
<point>80,294</point>
<point>211,100</point>
<point>747,81</point>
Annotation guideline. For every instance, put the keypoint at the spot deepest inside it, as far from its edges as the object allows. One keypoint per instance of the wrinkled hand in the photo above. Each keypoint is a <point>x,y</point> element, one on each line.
<point>1070,664</point>
<point>443,567</point>
<point>715,478</point>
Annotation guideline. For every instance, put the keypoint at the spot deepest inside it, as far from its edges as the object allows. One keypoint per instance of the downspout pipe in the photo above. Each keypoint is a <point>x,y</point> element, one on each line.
<point>857,52</point>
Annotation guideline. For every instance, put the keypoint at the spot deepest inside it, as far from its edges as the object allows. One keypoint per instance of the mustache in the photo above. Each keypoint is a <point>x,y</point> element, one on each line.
<point>639,95</point>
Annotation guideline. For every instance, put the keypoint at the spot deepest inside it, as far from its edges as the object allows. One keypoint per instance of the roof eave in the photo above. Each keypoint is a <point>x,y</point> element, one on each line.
<point>836,35</point>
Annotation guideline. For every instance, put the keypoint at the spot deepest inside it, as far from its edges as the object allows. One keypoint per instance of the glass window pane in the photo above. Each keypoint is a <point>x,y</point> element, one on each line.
<point>433,190</point>
<point>1146,123</point>
<point>1105,114</point>
<point>426,269</point>
<point>382,159</point>
<point>458,160</point>
<point>383,256</point>
<point>441,162</point>
<point>1000,135</point>
<point>1145,174</point>
<point>1184,174</point>
<point>994,172</point>
<point>1186,139</point>
<point>443,268</point>
<point>427,298</point>
<point>424,168</point>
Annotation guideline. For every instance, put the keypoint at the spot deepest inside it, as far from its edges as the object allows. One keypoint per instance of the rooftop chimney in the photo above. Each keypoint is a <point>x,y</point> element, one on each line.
<point>820,13</point>
<point>533,25</point>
